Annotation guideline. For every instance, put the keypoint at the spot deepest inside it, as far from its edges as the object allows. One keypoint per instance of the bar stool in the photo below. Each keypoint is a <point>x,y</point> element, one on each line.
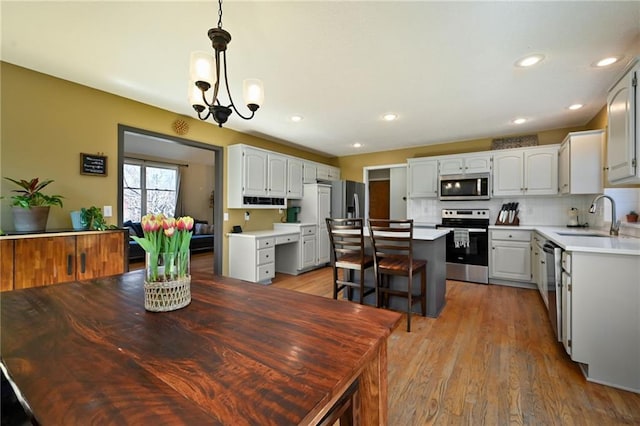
<point>347,243</point>
<point>392,242</point>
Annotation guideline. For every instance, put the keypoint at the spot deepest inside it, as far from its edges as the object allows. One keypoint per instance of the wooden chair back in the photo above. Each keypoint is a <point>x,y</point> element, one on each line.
<point>347,241</point>
<point>392,240</point>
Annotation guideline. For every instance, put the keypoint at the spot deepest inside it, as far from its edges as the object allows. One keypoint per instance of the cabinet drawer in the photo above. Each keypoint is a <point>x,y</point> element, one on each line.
<point>308,230</point>
<point>266,255</point>
<point>284,239</point>
<point>266,272</point>
<point>265,242</point>
<point>510,235</point>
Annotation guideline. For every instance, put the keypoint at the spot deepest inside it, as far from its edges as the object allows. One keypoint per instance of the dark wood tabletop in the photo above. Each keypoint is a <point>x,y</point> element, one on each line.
<point>240,353</point>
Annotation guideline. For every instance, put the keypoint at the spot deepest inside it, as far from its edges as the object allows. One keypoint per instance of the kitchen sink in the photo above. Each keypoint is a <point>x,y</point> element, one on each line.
<point>583,234</point>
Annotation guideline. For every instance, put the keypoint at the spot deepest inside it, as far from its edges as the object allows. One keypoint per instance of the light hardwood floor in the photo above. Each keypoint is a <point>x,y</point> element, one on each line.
<point>490,358</point>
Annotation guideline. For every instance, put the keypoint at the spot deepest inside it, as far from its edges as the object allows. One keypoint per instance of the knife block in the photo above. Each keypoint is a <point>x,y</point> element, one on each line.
<point>515,222</point>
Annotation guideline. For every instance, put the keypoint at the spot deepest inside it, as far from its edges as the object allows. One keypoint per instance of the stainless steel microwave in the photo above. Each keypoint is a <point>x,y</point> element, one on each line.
<point>464,187</point>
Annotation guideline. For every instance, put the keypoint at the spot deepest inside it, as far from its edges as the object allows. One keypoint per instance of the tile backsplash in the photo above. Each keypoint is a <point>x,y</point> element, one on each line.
<point>550,211</point>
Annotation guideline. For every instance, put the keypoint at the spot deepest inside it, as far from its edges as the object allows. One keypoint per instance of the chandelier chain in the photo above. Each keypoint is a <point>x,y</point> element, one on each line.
<point>219,13</point>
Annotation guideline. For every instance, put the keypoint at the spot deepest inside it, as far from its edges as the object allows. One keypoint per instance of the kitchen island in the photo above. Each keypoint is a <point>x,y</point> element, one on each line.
<point>428,244</point>
<point>240,353</point>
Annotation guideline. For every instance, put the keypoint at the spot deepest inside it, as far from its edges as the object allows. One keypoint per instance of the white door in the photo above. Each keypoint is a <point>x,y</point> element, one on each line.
<point>452,166</point>
<point>564,177</point>
<point>541,172</point>
<point>398,193</point>
<point>510,260</point>
<point>477,164</point>
<point>507,174</point>
<point>621,129</point>
<point>255,172</point>
<point>308,251</point>
<point>294,178</point>
<point>277,175</point>
<point>566,312</point>
<point>423,178</point>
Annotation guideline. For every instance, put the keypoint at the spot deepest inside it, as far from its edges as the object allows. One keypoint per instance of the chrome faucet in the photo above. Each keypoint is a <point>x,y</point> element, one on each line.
<point>615,224</point>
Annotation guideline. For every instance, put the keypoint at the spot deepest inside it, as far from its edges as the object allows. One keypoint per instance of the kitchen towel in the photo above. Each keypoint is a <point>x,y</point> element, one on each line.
<point>460,238</point>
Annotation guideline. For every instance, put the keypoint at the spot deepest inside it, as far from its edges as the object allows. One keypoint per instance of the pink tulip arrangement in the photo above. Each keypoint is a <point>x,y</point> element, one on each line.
<point>167,237</point>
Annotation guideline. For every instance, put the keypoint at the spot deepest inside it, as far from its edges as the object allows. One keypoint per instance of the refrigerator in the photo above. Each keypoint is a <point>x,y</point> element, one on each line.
<point>347,199</point>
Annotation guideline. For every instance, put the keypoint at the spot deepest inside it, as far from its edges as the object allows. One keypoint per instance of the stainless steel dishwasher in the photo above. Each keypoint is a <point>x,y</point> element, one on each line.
<point>553,259</point>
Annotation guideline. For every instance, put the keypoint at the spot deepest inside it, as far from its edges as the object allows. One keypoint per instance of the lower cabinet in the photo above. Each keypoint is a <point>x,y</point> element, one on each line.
<point>252,258</point>
<point>57,258</point>
<point>308,247</point>
<point>510,255</point>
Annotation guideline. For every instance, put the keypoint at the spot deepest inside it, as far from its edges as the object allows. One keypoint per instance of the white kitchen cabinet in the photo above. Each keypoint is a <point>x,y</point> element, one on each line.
<point>277,175</point>
<point>252,258</point>
<point>295,259</point>
<point>580,163</point>
<point>294,178</point>
<point>603,316</point>
<point>510,254</point>
<point>623,141</point>
<point>315,207</point>
<point>463,164</point>
<point>326,172</point>
<point>254,172</point>
<point>422,177</point>
<point>526,171</point>
<point>308,255</point>
<point>310,170</point>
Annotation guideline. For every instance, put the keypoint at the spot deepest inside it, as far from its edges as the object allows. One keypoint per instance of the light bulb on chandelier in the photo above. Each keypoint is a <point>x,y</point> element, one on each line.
<point>205,74</point>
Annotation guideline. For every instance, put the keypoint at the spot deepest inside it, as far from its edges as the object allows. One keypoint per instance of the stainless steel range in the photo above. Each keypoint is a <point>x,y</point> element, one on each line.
<point>467,244</point>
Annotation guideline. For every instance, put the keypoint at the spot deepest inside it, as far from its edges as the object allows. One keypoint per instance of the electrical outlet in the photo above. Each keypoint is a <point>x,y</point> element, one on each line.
<point>107,211</point>
<point>225,216</point>
<point>247,216</point>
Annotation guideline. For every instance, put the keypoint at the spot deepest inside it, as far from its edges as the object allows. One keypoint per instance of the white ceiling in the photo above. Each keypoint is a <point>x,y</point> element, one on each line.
<point>447,68</point>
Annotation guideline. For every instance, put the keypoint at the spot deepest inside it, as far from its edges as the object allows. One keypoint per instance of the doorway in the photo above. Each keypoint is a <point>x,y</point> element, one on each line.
<point>386,191</point>
<point>177,146</point>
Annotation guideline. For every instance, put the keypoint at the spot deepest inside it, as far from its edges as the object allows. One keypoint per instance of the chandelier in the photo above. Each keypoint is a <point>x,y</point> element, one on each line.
<point>205,73</point>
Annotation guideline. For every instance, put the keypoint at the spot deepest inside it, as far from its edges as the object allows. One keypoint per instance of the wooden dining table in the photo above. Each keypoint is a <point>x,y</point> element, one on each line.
<point>239,354</point>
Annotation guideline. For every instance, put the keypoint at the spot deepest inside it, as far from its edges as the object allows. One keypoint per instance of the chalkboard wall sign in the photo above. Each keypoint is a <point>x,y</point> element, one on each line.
<point>93,165</point>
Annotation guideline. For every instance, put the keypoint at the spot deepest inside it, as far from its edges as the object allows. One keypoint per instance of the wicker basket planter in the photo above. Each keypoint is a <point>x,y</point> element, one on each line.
<point>167,284</point>
<point>164,296</point>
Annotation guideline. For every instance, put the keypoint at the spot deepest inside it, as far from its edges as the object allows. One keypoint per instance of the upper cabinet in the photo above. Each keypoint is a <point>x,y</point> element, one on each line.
<point>254,172</point>
<point>623,142</point>
<point>294,178</point>
<point>462,164</point>
<point>325,172</point>
<point>309,170</point>
<point>422,177</point>
<point>528,171</point>
<point>580,163</point>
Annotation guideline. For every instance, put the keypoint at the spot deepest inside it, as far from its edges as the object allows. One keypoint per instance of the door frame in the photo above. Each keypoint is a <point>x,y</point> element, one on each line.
<point>365,179</point>
<point>218,165</point>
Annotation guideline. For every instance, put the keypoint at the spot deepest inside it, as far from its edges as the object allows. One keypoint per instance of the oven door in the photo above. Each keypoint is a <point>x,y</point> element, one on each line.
<point>468,262</point>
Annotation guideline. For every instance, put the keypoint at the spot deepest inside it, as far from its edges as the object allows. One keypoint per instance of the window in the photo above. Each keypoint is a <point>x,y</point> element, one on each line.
<point>148,188</point>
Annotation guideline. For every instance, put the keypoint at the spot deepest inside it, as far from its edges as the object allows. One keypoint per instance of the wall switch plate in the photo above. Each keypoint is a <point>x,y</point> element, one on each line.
<point>107,211</point>
<point>225,216</point>
<point>247,216</point>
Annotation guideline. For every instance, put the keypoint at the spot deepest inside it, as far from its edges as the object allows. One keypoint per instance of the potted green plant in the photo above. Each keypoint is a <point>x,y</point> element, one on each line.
<point>31,206</point>
<point>92,218</point>
<point>632,217</point>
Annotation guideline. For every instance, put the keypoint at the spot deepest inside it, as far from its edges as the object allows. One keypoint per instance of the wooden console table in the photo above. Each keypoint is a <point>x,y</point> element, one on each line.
<point>240,353</point>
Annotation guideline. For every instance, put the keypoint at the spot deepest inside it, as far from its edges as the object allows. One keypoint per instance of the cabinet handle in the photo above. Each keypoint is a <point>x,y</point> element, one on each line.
<point>83,262</point>
<point>69,264</point>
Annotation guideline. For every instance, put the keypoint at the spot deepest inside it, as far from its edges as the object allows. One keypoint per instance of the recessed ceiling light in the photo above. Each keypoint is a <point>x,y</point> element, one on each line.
<point>607,61</point>
<point>390,116</point>
<point>357,145</point>
<point>575,106</point>
<point>296,118</point>
<point>529,60</point>
<point>519,121</point>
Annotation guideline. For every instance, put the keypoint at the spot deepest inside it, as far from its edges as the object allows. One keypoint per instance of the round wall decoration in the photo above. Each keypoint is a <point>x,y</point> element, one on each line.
<point>180,126</point>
